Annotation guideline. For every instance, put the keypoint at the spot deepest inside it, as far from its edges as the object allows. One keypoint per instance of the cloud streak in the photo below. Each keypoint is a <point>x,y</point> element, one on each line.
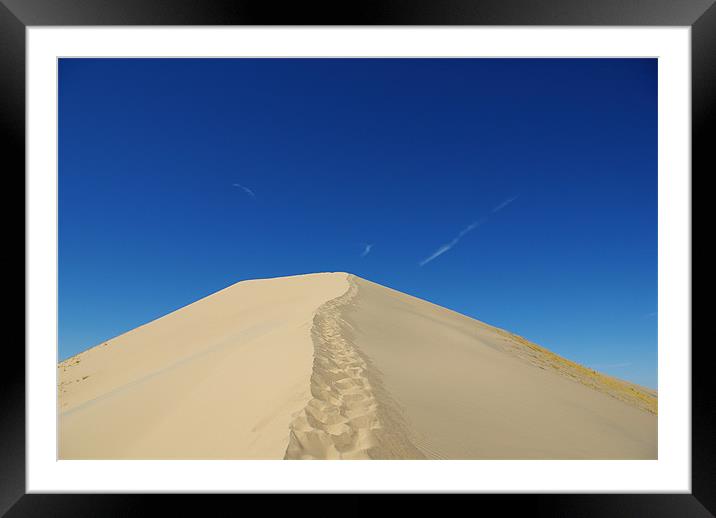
<point>440,251</point>
<point>504,204</point>
<point>446,247</point>
<point>367,250</point>
<point>245,189</point>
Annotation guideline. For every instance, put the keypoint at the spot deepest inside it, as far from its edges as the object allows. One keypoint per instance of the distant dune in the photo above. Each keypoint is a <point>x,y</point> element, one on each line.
<point>332,366</point>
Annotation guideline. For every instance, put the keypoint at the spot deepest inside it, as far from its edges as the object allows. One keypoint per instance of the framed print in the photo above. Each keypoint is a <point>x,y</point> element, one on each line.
<point>421,249</point>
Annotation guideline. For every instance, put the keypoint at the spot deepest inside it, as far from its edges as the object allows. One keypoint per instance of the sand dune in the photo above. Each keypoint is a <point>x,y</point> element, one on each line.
<point>220,378</point>
<point>331,366</point>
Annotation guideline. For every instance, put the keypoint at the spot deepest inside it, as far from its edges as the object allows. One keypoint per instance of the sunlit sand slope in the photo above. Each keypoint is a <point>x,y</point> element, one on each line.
<point>218,379</point>
<point>331,366</point>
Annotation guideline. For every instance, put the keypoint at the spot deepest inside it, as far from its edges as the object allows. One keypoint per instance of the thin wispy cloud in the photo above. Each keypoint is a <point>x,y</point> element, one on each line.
<point>504,204</point>
<point>651,315</point>
<point>245,189</point>
<point>366,250</point>
<point>440,251</point>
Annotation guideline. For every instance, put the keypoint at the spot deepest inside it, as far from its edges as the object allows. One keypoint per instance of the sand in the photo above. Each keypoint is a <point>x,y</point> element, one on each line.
<point>471,391</point>
<point>332,366</point>
<point>218,379</point>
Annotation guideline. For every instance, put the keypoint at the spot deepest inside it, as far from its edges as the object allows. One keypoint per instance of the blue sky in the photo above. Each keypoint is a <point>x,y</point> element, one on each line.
<point>521,192</point>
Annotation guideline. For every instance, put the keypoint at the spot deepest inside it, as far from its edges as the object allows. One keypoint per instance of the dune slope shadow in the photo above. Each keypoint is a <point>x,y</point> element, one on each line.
<point>466,390</point>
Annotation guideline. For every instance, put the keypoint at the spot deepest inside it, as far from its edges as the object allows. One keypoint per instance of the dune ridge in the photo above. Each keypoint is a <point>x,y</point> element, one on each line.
<point>344,419</point>
<point>333,366</point>
<point>630,393</point>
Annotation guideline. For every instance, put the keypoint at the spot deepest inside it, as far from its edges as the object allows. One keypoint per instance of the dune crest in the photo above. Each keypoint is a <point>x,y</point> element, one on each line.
<point>332,366</point>
<point>344,420</point>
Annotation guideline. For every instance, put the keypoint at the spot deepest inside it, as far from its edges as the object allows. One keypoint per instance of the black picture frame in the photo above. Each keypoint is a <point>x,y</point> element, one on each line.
<point>700,15</point>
